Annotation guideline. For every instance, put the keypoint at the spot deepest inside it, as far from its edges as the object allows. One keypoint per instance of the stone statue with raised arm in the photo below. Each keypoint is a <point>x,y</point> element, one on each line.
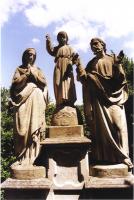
<point>64,87</point>
<point>63,79</point>
<point>104,94</point>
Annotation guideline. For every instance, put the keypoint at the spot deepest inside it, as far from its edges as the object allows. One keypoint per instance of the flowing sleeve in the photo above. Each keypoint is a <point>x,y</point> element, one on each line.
<point>49,47</point>
<point>19,80</point>
<point>16,76</point>
<point>41,76</point>
<point>40,79</point>
<point>119,73</point>
<point>81,72</point>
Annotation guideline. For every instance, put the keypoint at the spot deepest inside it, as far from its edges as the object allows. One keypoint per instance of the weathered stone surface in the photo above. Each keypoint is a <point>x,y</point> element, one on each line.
<point>40,183</point>
<point>27,172</point>
<point>65,131</point>
<point>117,170</point>
<point>65,116</point>
<point>15,189</point>
<point>68,186</point>
<point>66,140</point>
<point>68,164</point>
<point>67,177</point>
<point>67,195</point>
<point>108,182</point>
<point>130,181</point>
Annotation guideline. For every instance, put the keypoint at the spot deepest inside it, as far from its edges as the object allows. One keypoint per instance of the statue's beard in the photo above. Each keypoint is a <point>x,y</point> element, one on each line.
<point>97,51</point>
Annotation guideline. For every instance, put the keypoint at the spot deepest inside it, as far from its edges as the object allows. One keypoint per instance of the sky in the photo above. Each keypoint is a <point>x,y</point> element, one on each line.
<point>25,23</point>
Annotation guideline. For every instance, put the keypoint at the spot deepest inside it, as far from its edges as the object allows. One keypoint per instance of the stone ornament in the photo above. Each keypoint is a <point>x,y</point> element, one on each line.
<point>66,116</point>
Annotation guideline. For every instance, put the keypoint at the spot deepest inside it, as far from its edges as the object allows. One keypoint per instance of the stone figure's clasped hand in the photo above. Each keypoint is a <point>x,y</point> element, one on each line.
<point>28,71</point>
<point>34,72</point>
<point>76,59</point>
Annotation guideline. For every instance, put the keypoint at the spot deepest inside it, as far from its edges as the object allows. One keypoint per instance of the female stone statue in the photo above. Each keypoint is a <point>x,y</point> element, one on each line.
<point>28,98</point>
<point>64,87</point>
<point>104,95</point>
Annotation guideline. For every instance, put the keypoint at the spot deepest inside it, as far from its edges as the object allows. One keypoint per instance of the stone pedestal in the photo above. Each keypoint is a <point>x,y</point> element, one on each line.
<point>60,132</point>
<point>118,170</point>
<point>68,175</point>
<point>26,189</point>
<point>93,188</point>
<point>67,158</point>
<point>27,172</point>
<point>67,155</point>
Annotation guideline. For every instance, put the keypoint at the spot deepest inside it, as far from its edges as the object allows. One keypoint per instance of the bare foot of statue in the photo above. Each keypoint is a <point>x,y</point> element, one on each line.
<point>128,162</point>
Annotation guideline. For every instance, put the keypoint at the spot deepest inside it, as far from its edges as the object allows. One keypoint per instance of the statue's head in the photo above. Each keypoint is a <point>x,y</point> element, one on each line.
<point>62,37</point>
<point>29,56</point>
<point>95,44</point>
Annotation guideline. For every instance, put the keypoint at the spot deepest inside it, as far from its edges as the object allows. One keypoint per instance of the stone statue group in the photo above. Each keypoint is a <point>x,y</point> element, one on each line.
<point>104,93</point>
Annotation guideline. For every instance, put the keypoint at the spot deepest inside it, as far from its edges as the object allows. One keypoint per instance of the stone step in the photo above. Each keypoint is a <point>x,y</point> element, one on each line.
<point>64,131</point>
<point>27,172</point>
<point>116,170</point>
<point>66,140</point>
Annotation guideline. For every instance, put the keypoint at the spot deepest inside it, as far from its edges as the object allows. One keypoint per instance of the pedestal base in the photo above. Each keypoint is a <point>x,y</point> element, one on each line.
<point>68,165</point>
<point>65,131</point>
<point>118,170</point>
<point>26,189</point>
<point>27,172</point>
<point>94,188</point>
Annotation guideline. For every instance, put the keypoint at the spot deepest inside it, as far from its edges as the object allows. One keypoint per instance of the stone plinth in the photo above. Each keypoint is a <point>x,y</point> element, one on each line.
<point>40,183</point>
<point>26,189</point>
<point>108,188</point>
<point>27,172</point>
<point>65,131</point>
<point>67,156</point>
<point>65,116</point>
<point>94,188</point>
<point>118,170</point>
<point>66,141</point>
<point>109,182</point>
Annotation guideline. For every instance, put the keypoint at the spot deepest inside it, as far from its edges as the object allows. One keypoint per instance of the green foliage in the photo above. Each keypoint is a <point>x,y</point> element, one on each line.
<point>49,111</point>
<point>129,66</point>
<point>83,120</point>
<point>7,147</point>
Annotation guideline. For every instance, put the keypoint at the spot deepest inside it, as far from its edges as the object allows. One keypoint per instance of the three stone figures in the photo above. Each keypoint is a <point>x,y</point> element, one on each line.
<point>104,94</point>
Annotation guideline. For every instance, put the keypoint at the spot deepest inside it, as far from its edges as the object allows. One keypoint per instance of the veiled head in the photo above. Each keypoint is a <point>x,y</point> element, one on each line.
<point>29,56</point>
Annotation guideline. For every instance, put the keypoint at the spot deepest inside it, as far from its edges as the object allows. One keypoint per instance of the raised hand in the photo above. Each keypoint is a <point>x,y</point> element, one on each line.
<point>48,37</point>
<point>120,56</point>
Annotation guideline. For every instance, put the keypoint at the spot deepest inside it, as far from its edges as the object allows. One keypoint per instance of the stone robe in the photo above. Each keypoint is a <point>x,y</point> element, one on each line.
<point>64,87</point>
<point>28,99</point>
<point>104,95</point>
